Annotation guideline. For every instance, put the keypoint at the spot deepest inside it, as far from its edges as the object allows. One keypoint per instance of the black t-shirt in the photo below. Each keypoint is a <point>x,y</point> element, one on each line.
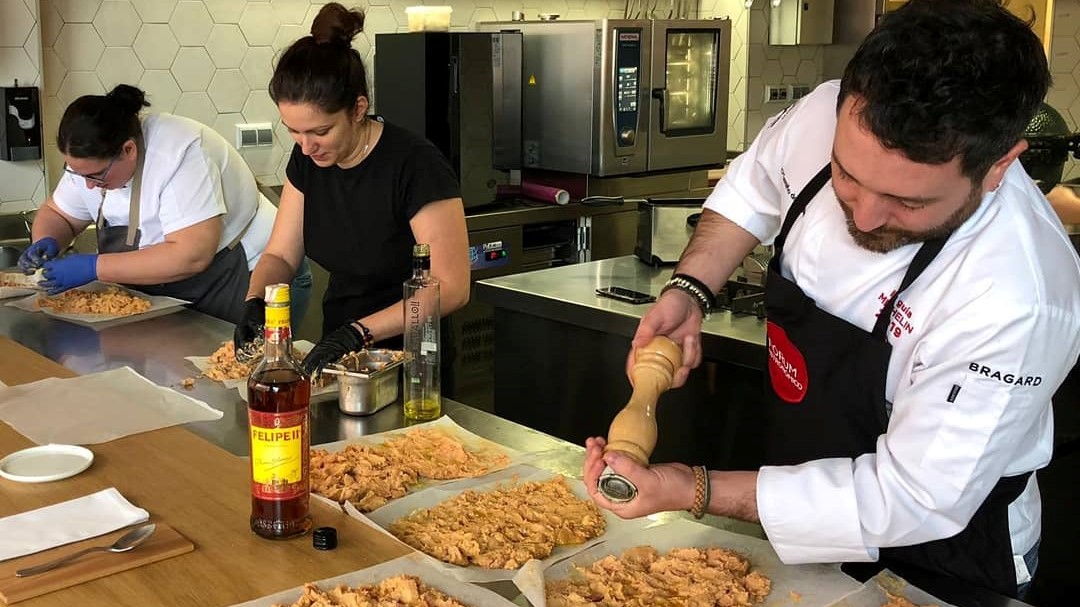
<point>356,221</point>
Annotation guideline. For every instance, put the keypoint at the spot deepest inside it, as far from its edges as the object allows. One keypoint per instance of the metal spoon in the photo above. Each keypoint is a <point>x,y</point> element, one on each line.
<point>125,542</point>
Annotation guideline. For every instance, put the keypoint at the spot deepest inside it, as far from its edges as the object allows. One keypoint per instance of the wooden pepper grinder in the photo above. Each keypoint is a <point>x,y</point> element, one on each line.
<point>633,431</point>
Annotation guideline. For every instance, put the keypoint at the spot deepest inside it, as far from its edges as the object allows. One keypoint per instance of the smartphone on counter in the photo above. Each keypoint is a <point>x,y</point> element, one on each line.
<point>627,295</point>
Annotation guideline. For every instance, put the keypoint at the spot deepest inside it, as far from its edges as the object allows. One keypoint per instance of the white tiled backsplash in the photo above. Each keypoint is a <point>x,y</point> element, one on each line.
<point>211,60</point>
<point>22,184</point>
<point>1065,67</point>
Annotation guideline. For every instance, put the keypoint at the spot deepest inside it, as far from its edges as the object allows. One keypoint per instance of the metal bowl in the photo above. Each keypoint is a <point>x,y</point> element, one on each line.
<point>367,380</point>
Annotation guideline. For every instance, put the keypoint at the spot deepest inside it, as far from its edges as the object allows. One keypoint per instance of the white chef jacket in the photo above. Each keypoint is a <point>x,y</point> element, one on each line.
<point>996,314</point>
<point>190,174</point>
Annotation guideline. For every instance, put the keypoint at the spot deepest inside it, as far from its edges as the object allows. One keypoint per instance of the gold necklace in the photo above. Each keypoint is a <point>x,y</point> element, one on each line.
<point>367,141</point>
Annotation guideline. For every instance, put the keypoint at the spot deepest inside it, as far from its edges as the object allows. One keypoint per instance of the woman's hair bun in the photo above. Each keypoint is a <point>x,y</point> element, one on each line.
<point>128,99</point>
<point>337,25</point>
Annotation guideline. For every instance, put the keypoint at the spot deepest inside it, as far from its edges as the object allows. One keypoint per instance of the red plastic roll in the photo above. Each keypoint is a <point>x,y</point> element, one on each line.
<point>544,193</point>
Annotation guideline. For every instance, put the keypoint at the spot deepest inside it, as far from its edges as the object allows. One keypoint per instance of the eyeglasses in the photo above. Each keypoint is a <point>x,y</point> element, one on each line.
<point>98,178</point>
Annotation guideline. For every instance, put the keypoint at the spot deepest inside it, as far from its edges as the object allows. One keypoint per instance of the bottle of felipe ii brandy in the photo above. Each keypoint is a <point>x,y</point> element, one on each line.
<point>278,398</point>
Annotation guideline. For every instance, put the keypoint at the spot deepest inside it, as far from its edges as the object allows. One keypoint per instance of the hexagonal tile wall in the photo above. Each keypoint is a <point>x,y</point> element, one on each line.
<point>228,90</point>
<point>155,46</point>
<point>119,65</point>
<point>258,67</point>
<point>259,24</point>
<point>161,90</point>
<point>199,55</point>
<point>77,11</point>
<point>17,23</point>
<point>154,11</point>
<point>226,45</point>
<point>191,23</point>
<point>15,64</point>
<point>196,106</point>
<point>193,68</point>
<point>79,46</point>
<point>117,23</point>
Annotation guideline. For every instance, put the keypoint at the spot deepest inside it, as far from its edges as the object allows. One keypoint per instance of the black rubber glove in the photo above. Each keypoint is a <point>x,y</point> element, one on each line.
<point>332,347</point>
<point>250,329</point>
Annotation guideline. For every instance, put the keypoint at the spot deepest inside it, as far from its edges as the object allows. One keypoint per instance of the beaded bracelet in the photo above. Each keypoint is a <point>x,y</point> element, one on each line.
<point>697,289</point>
<point>702,492</point>
<point>365,333</point>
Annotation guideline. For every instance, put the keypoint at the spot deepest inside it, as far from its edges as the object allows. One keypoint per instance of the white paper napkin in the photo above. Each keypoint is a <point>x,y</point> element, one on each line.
<point>97,408</point>
<point>71,521</point>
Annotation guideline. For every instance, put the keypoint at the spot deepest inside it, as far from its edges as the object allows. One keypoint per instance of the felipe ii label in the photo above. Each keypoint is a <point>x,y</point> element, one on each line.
<point>277,454</point>
<point>787,367</point>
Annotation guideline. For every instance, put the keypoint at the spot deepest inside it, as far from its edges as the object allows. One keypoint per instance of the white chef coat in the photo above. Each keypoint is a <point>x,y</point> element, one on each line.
<point>996,314</point>
<point>190,174</point>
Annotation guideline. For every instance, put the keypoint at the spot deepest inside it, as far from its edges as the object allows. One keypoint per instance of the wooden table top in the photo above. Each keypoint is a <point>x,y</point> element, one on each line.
<point>200,490</point>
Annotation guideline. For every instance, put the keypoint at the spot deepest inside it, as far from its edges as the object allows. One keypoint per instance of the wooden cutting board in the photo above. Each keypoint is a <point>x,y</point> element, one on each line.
<point>166,542</point>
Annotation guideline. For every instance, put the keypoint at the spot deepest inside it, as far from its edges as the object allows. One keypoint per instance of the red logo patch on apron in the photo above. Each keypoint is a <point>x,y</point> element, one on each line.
<point>787,367</point>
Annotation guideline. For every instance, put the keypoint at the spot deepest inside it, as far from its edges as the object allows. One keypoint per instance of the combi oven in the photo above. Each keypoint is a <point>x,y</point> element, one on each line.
<point>654,95</point>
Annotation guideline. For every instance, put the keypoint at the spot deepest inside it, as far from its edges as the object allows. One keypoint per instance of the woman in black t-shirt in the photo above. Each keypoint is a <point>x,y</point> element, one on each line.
<point>358,194</point>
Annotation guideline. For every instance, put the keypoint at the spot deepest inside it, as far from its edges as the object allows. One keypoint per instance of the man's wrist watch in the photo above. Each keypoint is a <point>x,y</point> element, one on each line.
<point>697,289</point>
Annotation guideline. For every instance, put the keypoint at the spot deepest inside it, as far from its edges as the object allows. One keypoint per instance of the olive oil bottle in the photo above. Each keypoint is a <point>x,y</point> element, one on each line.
<point>421,377</point>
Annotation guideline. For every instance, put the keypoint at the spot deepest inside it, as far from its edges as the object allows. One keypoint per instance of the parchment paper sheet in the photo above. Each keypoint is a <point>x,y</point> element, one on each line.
<point>815,585</point>
<point>431,496</point>
<point>409,564</point>
<point>872,593</point>
<point>159,305</point>
<point>301,346</point>
<point>445,424</point>
<point>96,408</point>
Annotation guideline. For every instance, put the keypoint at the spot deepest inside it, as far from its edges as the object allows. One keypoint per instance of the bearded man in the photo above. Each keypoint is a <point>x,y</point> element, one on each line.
<point>922,307</point>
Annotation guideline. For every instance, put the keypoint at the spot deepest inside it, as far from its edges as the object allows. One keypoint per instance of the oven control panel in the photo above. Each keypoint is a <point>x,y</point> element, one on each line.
<point>487,255</point>
<point>627,84</point>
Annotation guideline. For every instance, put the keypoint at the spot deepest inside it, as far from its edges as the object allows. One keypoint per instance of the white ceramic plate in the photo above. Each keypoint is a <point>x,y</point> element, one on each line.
<point>45,463</point>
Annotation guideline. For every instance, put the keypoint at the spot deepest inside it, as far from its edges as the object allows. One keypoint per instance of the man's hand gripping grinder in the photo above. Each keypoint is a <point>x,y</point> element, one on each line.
<point>633,431</point>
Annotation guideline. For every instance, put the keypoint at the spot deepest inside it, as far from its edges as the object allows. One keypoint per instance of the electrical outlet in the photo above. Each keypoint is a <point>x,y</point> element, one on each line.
<point>254,135</point>
<point>777,93</point>
<point>798,91</point>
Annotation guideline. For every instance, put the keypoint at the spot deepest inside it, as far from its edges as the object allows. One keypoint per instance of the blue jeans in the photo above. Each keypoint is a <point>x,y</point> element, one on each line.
<point>1031,560</point>
<point>299,294</point>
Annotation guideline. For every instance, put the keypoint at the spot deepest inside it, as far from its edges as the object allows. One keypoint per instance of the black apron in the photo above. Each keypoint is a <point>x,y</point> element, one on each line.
<point>218,290</point>
<point>827,399</point>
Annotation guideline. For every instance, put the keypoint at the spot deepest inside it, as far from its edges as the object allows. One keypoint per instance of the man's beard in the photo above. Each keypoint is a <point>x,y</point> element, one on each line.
<point>885,239</point>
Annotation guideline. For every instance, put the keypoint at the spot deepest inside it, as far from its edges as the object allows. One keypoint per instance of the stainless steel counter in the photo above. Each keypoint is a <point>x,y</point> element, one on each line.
<point>568,294</point>
<point>156,349</point>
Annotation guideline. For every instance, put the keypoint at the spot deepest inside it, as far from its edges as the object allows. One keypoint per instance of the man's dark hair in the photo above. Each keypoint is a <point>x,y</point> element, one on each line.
<point>937,79</point>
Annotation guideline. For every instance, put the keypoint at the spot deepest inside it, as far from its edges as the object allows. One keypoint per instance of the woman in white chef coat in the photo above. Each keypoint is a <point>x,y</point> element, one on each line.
<point>923,305</point>
<point>177,211</point>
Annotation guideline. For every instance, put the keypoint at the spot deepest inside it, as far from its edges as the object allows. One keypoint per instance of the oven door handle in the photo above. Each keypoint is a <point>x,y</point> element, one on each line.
<point>661,96</point>
<point>454,76</point>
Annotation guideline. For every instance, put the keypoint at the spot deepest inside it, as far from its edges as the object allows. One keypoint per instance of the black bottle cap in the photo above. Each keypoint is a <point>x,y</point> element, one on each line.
<point>324,538</point>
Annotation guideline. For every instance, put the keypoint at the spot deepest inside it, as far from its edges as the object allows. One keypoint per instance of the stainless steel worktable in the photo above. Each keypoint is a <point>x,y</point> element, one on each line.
<point>156,349</point>
<point>568,294</point>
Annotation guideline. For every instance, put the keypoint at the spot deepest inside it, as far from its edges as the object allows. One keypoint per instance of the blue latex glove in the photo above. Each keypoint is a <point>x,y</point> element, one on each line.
<point>69,272</point>
<point>38,253</point>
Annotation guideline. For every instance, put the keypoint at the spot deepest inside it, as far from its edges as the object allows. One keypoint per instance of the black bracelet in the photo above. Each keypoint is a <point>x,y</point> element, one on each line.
<point>365,333</point>
<point>697,289</point>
